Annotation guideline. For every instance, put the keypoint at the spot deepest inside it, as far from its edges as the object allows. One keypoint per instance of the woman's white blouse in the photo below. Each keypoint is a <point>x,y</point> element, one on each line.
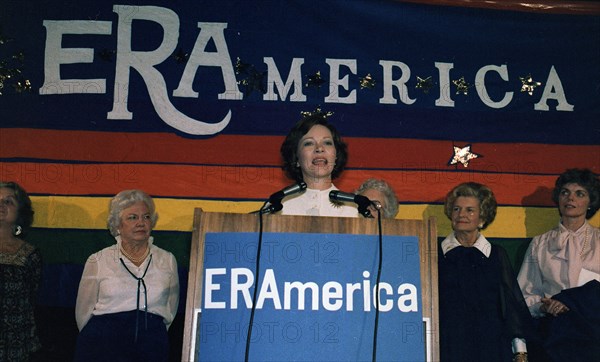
<point>107,287</point>
<point>557,260</point>
<point>316,203</point>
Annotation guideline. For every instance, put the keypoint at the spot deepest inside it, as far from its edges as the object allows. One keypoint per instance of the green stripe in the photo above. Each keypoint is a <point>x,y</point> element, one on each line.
<point>73,246</point>
<point>515,248</point>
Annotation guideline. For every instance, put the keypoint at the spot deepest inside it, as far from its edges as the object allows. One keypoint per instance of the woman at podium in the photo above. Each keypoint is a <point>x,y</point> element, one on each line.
<point>313,152</point>
<point>483,316</point>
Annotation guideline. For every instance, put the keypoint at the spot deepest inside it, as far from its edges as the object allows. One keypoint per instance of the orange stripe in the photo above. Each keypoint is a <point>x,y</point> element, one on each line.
<point>372,153</point>
<point>525,158</point>
<point>257,183</point>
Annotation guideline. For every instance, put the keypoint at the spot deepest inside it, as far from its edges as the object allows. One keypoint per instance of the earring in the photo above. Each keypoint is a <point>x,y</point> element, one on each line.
<point>297,164</point>
<point>480,226</point>
<point>18,230</point>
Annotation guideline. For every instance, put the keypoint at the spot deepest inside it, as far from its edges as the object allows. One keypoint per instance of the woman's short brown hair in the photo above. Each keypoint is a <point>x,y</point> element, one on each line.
<point>487,200</point>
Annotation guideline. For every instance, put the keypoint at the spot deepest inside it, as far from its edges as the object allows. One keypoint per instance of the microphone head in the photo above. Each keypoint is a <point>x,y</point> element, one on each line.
<point>338,195</point>
<point>290,190</point>
<point>302,185</point>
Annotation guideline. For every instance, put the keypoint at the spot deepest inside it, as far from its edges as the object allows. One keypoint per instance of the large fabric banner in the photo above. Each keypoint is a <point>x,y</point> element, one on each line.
<point>191,100</point>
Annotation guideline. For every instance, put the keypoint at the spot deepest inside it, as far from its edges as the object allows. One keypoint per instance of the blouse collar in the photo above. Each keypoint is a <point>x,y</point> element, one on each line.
<point>315,191</point>
<point>558,245</point>
<point>481,243</point>
<point>577,232</point>
<point>119,241</point>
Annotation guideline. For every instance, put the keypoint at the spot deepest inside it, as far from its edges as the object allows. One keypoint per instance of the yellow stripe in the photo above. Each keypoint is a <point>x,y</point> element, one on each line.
<point>71,212</point>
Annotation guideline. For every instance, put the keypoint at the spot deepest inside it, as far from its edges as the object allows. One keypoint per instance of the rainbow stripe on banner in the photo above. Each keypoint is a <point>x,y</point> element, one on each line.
<point>190,102</point>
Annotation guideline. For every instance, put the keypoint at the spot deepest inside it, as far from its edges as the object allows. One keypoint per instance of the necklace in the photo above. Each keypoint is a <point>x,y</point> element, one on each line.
<point>585,242</point>
<point>138,259</point>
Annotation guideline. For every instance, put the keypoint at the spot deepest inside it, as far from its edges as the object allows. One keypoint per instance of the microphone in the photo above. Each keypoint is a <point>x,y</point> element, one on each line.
<point>290,190</point>
<point>363,202</point>
<point>275,199</point>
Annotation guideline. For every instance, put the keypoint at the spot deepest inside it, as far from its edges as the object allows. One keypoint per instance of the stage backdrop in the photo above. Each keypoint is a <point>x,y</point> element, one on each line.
<point>190,101</point>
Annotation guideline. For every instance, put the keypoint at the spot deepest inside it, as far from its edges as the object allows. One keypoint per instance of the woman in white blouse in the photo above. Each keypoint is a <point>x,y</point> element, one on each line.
<point>313,152</point>
<point>129,292</point>
<point>565,257</point>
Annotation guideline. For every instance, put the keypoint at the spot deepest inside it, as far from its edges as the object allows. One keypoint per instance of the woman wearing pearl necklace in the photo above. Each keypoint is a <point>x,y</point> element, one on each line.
<point>560,273</point>
<point>129,292</point>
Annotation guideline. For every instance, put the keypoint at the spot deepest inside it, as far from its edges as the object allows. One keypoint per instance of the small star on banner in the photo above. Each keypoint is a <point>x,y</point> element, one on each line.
<point>367,82</point>
<point>461,86</point>
<point>425,84</point>
<point>254,80</point>
<point>241,67</point>
<point>11,69</point>
<point>23,85</point>
<point>529,84</point>
<point>316,113</point>
<point>462,155</point>
<point>315,80</point>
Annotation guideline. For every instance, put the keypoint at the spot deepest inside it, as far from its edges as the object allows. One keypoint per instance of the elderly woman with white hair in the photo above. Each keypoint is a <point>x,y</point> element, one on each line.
<point>382,196</point>
<point>129,292</point>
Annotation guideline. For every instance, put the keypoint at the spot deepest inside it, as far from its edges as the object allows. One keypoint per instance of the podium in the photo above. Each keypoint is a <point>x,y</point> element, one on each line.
<point>316,296</point>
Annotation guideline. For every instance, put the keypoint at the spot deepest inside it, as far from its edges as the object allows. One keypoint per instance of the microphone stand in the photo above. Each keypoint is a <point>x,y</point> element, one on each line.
<point>376,326</point>
<point>257,273</point>
<point>271,206</point>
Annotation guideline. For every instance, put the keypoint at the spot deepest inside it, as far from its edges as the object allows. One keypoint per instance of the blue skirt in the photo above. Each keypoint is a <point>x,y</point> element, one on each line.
<point>113,337</point>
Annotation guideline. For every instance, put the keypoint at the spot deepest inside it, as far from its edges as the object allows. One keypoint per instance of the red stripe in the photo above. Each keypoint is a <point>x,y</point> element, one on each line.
<point>372,153</point>
<point>138,147</point>
<point>257,183</point>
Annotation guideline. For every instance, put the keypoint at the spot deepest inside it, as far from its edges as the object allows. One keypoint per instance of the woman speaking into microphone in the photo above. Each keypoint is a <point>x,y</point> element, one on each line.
<point>313,152</point>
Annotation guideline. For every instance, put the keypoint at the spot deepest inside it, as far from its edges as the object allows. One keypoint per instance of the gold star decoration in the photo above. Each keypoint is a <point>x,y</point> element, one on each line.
<point>253,81</point>
<point>23,85</point>
<point>316,113</point>
<point>315,80</point>
<point>425,84</point>
<point>240,67</point>
<point>461,86</point>
<point>529,84</point>
<point>367,82</point>
<point>11,69</point>
<point>462,155</point>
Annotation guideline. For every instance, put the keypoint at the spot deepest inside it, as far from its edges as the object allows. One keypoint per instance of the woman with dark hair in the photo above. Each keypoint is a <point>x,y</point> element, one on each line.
<point>20,275</point>
<point>483,316</point>
<point>129,291</point>
<point>564,258</point>
<point>313,152</point>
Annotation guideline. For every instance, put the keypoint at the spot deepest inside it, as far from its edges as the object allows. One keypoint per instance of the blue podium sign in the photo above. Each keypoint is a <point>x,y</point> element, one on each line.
<point>316,298</point>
